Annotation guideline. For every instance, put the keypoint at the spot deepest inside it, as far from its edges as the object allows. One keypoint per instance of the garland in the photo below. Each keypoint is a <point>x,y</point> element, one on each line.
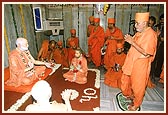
<point>73,94</point>
<point>19,102</point>
<point>30,72</point>
<point>96,109</point>
<point>97,79</point>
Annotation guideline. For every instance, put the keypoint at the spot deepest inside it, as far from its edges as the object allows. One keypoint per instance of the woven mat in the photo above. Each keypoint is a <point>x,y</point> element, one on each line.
<point>123,102</point>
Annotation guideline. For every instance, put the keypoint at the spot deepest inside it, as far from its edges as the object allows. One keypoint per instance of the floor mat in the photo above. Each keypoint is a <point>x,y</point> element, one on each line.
<point>123,102</point>
<point>89,93</point>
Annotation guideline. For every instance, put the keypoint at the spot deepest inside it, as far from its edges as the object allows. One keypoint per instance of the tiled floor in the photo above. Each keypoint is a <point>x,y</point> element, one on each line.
<point>153,99</point>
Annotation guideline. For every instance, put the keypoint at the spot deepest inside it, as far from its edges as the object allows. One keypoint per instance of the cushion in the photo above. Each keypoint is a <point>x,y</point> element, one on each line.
<point>6,74</point>
<point>22,88</point>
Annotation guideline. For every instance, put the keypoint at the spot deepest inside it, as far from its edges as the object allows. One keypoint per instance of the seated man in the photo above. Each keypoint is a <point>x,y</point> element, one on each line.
<point>78,69</point>
<point>42,92</point>
<point>46,49</point>
<point>113,74</point>
<point>60,55</point>
<point>22,65</point>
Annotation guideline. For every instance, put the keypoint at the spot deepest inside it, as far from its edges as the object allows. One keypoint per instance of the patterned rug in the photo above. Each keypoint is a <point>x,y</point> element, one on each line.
<point>88,99</point>
<point>123,102</point>
<point>89,93</point>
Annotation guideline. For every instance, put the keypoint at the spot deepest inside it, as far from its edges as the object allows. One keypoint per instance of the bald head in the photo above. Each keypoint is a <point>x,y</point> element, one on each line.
<point>20,41</point>
<point>41,91</point>
<point>22,44</point>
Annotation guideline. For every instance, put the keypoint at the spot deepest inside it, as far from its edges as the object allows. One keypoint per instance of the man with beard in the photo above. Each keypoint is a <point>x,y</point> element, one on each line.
<point>113,74</point>
<point>22,65</point>
<point>78,69</point>
<point>46,50</point>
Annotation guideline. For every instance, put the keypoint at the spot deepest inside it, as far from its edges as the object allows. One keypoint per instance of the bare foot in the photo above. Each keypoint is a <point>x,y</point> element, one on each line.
<point>132,108</point>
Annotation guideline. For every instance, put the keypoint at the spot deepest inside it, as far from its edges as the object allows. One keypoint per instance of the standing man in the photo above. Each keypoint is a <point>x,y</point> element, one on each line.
<point>71,51</point>
<point>96,42</point>
<point>89,29</point>
<point>160,48</point>
<point>152,22</point>
<point>72,38</point>
<point>113,36</point>
<point>137,64</point>
<point>90,26</point>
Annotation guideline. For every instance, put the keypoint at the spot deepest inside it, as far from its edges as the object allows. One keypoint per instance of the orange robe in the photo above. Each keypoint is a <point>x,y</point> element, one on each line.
<point>150,83</point>
<point>113,78</point>
<point>43,53</point>
<point>71,54</point>
<point>78,71</point>
<point>18,61</point>
<point>96,42</point>
<point>60,56</point>
<point>75,40</point>
<point>89,29</point>
<point>136,67</point>
<point>112,44</point>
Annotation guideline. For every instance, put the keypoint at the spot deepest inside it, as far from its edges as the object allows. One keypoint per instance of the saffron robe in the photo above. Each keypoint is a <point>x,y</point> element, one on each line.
<point>75,40</point>
<point>150,83</point>
<point>78,71</point>
<point>112,44</point>
<point>136,67</point>
<point>60,56</point>
<point>44,53</point>
<point>71,54</point>
<point>112,77</point>
<point>95,43</point>
<point>89,29</point>
<point>18,62</point>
